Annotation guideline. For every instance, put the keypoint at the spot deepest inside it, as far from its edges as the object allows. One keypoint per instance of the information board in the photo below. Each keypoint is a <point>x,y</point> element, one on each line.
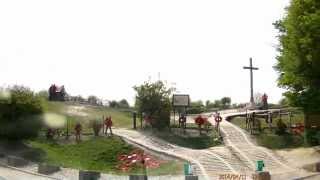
<point>180,100</point>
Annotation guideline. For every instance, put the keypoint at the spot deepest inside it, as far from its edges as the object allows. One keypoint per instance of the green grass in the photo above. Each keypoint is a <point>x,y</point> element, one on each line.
<point>194,141</point>
<point>269,139</point>
<point>120,117</point>
<point>97,154</point>
<point>274,141</point>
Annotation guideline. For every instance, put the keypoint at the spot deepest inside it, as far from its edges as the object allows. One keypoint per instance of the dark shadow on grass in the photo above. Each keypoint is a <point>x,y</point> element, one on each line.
<point>21,149</point>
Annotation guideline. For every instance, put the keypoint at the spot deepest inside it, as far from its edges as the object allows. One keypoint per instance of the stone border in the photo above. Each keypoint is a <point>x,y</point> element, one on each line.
<point>47,169</point>
<point>27,172</point>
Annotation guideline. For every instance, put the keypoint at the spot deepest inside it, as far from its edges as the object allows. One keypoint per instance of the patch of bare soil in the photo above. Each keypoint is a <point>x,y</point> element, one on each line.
<point>77,111</point>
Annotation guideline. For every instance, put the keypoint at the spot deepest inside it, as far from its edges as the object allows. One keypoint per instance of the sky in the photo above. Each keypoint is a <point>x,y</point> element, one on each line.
<point>105,48</point>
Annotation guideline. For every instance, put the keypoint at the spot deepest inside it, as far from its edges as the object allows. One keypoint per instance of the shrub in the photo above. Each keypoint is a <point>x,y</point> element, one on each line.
<point>21,114</point>
<point>312,136</point>
<point>281,127</point>
<point>195,110</point>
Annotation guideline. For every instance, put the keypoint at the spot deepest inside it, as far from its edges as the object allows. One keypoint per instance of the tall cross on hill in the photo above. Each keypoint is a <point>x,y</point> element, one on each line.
<point>251,68</point>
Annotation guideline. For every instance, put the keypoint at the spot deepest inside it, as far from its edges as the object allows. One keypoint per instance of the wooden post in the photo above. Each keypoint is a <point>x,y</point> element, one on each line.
<point>141,120</point>
<point>174,116</point>
<point>134,114</point>
<point>280,114</point>
<point>67,136</point>
<point>290,125</point>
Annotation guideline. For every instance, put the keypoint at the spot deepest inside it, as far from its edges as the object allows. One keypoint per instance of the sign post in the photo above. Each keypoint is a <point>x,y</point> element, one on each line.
<point>180,101</point>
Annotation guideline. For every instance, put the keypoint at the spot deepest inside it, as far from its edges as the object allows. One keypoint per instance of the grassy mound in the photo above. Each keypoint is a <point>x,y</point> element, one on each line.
<point>190,139</point>
<point>98,154</point>
<point>86,114</point>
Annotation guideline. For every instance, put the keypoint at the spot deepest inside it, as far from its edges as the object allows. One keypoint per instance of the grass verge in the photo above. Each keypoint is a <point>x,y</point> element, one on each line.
<point>97,154</point>
<point>191,139</point>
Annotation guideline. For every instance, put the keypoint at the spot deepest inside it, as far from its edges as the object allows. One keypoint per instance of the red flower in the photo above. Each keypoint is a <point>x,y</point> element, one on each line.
<point>200,120</point>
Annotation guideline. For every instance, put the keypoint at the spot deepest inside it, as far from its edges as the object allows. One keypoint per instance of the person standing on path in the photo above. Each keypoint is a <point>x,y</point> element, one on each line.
<point>218,119</point>
<point>108,124</point>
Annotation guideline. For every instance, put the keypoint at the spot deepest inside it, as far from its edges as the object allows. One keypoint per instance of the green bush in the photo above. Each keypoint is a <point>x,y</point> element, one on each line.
<point>195,110</point>
<point>312,136</point>
<point>20,114</point>
<point>281,127</point>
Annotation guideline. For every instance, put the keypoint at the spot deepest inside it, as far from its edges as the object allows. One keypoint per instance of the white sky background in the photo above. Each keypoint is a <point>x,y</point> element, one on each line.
<point>106,47</point>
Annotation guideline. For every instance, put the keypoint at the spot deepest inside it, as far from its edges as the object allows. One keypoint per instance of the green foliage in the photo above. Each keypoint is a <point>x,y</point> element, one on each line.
<point>43,94</point>
<point>281,127</point>
<point>123,103</point>
<point>113,104</point>
<point>284,102</point>
<point>98,154</point>
<point>20,115</point>
<point>203,141</point>
<point>312,136</point>
<point>93,99</point>
<point>225,102</point>
<point>153,99</point>
<point>299,59</point>
<point>274,141</point>
<point>271,139</point>
<point>196,107</point>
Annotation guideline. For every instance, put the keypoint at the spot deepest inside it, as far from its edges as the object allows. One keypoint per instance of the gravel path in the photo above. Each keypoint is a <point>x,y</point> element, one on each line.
<point>238,156</point>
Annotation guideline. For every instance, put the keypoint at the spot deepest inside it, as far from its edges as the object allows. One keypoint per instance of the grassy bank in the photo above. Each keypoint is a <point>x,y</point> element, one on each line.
<point>190,139</point>
<point>86,114</point>
<point>97,154</point>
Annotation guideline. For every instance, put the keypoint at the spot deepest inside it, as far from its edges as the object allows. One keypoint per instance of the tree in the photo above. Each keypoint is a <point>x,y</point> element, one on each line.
<point>283,102</point>
<point>21,114</point>
<point>153,99</point>
<point>43,94</point>
<point>93,100</point>
<point>123,103</point>
<point>298,62</point>
<point>114,104</point>
<point>225,102</point>
<point>217,103</point>
<point>196,107</point>
<point>210,105</point>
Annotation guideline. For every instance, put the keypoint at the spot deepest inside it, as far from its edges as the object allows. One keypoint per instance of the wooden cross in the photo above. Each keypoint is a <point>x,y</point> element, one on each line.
<point>251,68</point>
